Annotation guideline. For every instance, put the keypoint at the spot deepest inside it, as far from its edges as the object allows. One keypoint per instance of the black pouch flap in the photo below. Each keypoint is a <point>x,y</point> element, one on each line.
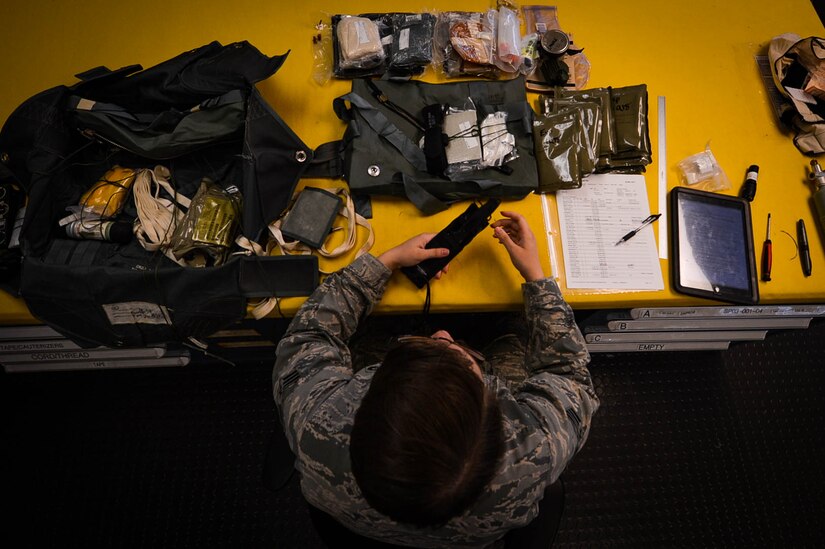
<point>186,79</point>
<point>278,276</point>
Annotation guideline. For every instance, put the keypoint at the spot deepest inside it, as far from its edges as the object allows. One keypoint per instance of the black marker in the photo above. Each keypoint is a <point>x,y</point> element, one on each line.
<point>749,188</point>
<point>804,251</point>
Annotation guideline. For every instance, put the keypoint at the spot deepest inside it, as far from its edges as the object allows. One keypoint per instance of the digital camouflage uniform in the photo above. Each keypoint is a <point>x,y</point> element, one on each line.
<point>546,421</point>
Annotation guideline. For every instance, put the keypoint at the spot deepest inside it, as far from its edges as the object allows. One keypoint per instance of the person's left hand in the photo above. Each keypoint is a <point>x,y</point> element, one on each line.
<point>412,252</point>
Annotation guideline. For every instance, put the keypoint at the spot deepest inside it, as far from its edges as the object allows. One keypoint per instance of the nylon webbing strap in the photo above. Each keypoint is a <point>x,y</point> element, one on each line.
<point>64,251</point>
<point>397,109</point>
<point>81,104</point>
<point>85,252</point>
<point>327,161</point>
<point>60,251</point>
<point>484,184</point>
<point>157,216</point>
<point>389,131</point>
<point>423,200</point>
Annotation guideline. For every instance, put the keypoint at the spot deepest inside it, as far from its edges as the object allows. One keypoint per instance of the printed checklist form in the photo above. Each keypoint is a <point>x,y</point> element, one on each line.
<point>593,219</point>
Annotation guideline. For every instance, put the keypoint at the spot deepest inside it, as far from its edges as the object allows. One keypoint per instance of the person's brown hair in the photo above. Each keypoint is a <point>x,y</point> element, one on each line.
<point>428,435</point>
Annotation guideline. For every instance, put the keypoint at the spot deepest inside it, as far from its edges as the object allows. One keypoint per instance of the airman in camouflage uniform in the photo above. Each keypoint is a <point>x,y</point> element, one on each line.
<point>546,419</point>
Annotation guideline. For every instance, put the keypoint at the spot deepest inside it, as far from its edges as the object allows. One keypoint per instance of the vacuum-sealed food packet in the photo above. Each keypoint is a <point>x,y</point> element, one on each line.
<point>473,38</point>
<point>557,148</point>
<point>447,59</point>
<point>412,40</point>
<point>607,139</point>
<point>590,113</point>
<point>359,43</point>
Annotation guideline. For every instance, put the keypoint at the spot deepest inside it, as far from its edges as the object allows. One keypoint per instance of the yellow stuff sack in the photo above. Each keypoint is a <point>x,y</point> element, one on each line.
<point>107,195</point>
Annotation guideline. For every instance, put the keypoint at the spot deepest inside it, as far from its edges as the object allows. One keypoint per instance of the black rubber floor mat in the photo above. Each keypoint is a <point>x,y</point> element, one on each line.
<point>704,449</point>
<point>689,449</point>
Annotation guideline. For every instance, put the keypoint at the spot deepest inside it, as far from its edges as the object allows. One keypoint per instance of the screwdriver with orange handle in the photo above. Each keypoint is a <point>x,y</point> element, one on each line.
<point>767,254</point>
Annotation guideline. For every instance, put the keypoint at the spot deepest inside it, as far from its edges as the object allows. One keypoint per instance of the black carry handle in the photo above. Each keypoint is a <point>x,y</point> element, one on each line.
<point>455,236</point>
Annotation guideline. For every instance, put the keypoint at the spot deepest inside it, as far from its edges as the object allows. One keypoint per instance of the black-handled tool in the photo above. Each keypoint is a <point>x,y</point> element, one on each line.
<point>804,251</point>
<point>767,254</point>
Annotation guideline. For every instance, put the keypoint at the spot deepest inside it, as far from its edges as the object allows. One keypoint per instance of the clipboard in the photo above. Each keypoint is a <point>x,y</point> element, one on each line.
<point>712,246</point>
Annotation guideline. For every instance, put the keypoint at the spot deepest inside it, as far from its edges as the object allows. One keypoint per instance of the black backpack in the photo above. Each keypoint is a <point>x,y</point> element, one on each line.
<point>200,115</point>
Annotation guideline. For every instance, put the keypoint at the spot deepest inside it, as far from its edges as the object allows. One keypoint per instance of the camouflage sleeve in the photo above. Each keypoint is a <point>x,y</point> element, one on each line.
<point>312,359</point>
<point>558,392</point>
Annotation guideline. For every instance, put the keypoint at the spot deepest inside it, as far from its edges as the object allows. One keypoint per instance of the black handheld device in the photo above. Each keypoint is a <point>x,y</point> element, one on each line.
<point>455,236</point>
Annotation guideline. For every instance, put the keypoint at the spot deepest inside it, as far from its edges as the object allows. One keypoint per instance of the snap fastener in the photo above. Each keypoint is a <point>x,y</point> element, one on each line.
<point>374,171</point>
<point>300,156</point>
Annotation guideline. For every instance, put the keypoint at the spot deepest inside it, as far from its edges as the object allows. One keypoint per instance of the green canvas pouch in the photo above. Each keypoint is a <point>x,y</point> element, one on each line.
<point>382,149</point>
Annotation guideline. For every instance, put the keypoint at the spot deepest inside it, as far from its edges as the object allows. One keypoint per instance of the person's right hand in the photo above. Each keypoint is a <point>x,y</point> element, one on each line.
<point>518,239</point>
<point>412,252</point>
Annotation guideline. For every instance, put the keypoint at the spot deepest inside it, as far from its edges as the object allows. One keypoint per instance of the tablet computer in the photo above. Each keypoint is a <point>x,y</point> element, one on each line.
<point>712,245</point>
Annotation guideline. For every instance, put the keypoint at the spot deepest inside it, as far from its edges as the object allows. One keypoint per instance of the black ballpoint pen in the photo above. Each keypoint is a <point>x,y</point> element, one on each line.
<point>804,251</point>
<point>650,219</point>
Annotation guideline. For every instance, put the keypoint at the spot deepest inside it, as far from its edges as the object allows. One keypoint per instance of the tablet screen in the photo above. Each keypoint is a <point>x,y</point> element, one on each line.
<point>713,246</point>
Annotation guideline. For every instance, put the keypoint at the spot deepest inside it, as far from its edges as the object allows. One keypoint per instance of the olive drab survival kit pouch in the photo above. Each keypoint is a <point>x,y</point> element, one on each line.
<point>194,124</point>
<point>399,136</point>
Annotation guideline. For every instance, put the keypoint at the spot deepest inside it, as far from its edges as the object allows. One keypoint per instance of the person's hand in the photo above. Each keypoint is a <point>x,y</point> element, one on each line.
<point>412,252</point>
<point>514,233</point>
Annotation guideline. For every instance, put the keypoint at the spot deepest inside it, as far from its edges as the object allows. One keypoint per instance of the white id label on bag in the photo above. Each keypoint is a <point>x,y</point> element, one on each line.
<point>137,312</point>
<point>361,32</point>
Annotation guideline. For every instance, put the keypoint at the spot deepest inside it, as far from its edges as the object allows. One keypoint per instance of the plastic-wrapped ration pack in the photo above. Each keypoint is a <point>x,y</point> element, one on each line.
<point>359,43</point>
<point>412,40</point>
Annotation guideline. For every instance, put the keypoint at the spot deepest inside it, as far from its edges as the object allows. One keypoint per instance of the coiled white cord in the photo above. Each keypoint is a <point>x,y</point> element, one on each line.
<point>157,216</point>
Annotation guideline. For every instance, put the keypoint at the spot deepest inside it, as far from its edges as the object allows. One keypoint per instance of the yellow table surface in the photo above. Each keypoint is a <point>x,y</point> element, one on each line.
<point>699,55</point>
